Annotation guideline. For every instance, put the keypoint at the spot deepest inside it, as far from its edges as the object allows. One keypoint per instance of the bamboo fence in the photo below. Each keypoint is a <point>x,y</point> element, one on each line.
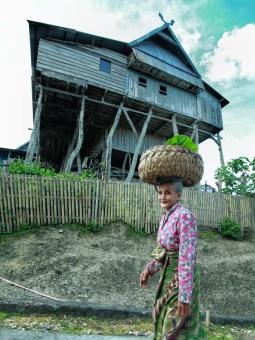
<point>32,200</point>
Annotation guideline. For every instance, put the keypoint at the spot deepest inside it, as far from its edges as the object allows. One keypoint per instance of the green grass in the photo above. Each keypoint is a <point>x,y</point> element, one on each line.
<point>208,235</point>
<point>111,326</point>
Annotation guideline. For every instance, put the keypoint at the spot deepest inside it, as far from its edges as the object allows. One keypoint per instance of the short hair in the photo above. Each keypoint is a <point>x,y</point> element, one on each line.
<point>177,182</point>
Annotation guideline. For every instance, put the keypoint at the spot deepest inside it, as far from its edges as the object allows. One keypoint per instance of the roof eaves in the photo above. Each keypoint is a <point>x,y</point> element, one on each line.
<point>223,101</point>
<point>147,36</point>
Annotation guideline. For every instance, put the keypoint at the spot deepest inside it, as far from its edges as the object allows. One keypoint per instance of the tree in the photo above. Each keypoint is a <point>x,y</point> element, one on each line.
<point>238,177</point>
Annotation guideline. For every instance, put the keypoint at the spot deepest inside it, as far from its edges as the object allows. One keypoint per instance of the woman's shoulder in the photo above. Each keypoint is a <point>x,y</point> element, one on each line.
<point>185,211</point>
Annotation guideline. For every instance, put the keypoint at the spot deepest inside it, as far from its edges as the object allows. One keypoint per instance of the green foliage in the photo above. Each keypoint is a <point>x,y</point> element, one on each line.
<point>19,167</point>
<point>94,227</point>
<point>238,177</point>
<point>230,228</point>
<point>4,315</point>
<point>184,141</point>
<point>85,175</point>
<point>207,235</point>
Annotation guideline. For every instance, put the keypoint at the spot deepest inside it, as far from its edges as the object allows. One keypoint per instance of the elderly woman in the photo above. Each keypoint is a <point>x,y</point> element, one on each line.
<point>176,308</point>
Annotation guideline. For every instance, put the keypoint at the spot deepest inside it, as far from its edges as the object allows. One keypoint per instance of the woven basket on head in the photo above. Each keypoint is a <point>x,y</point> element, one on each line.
<point>171,161</point>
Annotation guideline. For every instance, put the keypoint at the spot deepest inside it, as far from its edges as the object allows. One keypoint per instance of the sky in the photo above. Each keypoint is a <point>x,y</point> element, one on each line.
<point>217,35</point>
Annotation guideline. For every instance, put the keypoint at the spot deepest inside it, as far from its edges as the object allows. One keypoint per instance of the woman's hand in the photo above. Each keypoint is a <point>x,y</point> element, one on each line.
<point>183,309</point>
<point>144,278</point>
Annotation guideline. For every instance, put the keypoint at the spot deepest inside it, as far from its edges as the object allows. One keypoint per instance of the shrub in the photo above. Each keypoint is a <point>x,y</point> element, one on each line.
<point>19,166</point>
<point>230,228</point>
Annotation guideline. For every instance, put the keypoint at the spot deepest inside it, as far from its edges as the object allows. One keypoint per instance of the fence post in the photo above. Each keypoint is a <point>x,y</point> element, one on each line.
<point>6,167</point>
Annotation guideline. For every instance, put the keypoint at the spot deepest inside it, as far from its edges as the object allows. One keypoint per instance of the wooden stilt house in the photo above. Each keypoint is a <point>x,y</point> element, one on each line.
<point>99,103</point>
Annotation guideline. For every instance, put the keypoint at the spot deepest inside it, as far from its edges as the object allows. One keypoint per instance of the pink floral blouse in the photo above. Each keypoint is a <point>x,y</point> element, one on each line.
<point>179,232</point>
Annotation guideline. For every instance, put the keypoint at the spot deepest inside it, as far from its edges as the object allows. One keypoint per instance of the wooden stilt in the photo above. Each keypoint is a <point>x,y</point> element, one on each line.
<point>174,123</point>
<point>220,151</point>
<point>221,160</point>
<point>109,142</point>
<point>131,124</point>
<point>79,163</point>
<point>80,138</point>
<point>138,147</point>
<point>70,149</point>
<point>127,156</point>
<point>33,143</point>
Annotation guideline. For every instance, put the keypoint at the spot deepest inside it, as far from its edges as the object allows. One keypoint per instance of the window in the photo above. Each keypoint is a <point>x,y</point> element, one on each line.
<point>163,90</point>
<point>105,66</point>
<point>142,82</point>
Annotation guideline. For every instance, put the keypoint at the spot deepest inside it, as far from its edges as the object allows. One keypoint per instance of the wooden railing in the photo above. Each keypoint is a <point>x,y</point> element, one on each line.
<point>28,200</point>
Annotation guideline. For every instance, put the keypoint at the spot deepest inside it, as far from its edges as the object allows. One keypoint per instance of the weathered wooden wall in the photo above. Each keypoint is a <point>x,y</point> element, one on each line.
<point>28,200</point>
<point>177,99</point>
<point>123,139</point>
<point>83,63</point>
<point>209,109</point>
<point>199,106</point>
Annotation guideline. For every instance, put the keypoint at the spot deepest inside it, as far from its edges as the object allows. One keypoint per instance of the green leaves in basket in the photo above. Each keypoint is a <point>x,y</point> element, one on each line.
<point>184,141</point>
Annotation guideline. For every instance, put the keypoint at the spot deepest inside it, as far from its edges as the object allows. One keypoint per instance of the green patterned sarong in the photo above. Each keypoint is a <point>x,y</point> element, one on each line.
<point>167,324</point>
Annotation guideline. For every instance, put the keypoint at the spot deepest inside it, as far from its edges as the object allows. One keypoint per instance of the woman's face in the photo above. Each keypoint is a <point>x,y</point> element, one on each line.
<point>167,196</point>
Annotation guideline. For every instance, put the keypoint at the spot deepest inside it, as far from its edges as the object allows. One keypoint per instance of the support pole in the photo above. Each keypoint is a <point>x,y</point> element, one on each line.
<point>220,151</point>
<point>174,123</point>
<point>131,124</point>
<point>207,318</point>
<point>69,149</point>
<point>127,156</point>
<point>138,147</point>
<point>197,144</point>
<point>221,160</point>
<point>33,143</point>
<point>109,142</point>
<point>79,164</point>
<point>80,138</point>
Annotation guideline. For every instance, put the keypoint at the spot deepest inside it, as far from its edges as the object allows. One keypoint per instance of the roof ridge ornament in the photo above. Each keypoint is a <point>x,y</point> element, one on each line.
<point>162,18</point>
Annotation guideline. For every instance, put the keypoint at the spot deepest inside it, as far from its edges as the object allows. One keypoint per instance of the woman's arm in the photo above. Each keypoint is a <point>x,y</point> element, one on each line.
<point>149,270</point>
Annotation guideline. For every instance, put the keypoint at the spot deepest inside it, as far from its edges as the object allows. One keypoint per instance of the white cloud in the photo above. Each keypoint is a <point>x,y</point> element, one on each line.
<point>233,57</point>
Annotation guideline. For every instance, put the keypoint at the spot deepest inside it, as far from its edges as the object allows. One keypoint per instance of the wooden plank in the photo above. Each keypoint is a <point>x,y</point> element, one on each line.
<point>62,61</point>
<point>68,201</point>
<point>51,192</point>
<point>8,203</point>
<point>13,205</point>
<point>62,210</point>
<point>130,123</point>
<point>70,63</point>
<point>73,198</point>
<point>16,202</point>
<point>31,198</point>
<point>113,83</point>
<point>76,200</point>
<point>27,205</point>
<point>3,228</point>
<point>81,51</point>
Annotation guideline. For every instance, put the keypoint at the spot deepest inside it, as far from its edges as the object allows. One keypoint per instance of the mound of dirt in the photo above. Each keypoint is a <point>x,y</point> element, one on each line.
<point>105,267</point>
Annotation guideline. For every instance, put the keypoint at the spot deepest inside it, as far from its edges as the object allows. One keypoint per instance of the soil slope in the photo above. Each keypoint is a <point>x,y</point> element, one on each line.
<point>104,268</point>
